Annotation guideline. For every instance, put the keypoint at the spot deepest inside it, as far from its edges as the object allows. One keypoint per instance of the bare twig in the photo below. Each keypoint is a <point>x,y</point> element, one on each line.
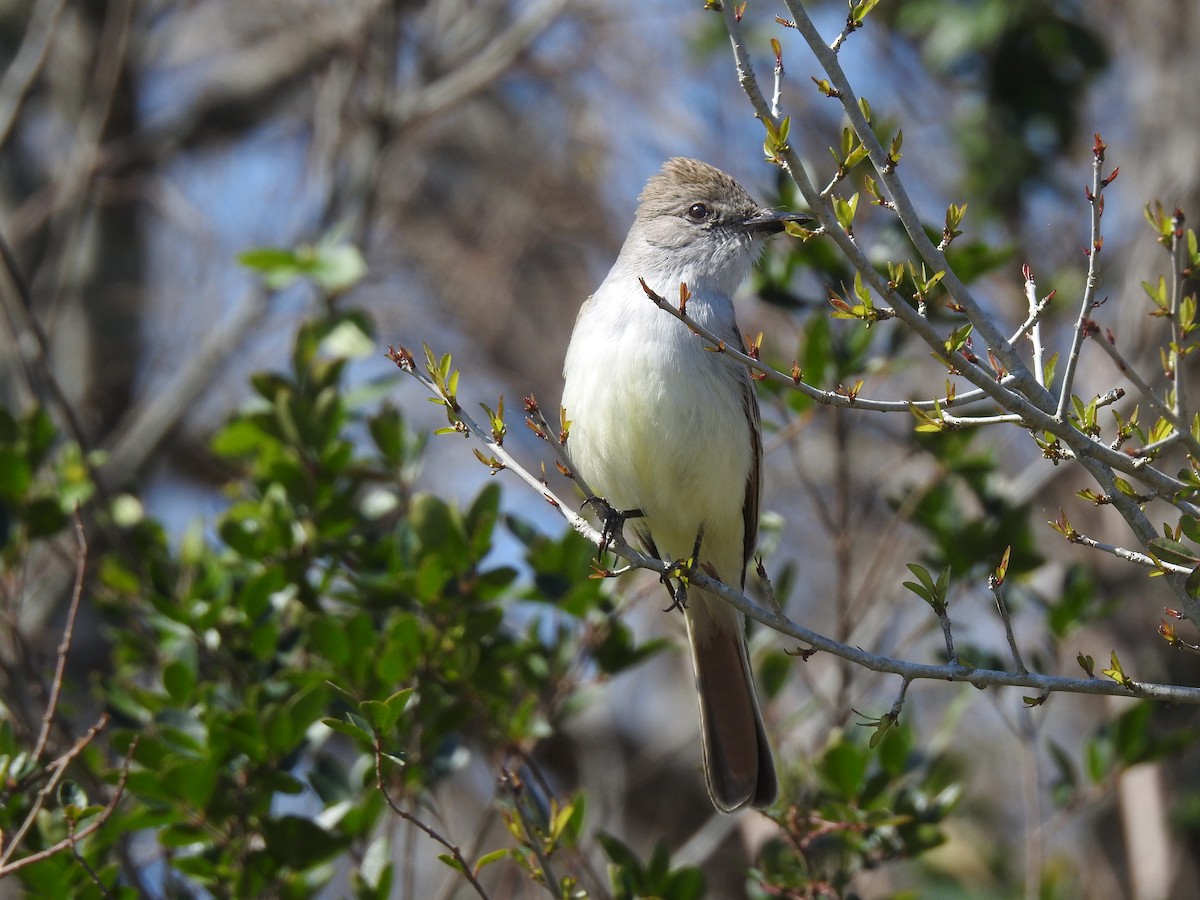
<point>826,398</point>
<point>996,586</point>
<point>1036,309</point>
<point>1179,260</point>
<point>57,770</point>
<point>894,712</point>
<point>955,422</point>
<point>1107,343</point>
<point>484,66</point>
<point>1132,556</point>
<point>72,840</point>
<point>24,68</point>
<point>1095,195</point>
<point>32,344</point>
<point>64,645</point>
<point>943,617</point>
<point>452,848</point>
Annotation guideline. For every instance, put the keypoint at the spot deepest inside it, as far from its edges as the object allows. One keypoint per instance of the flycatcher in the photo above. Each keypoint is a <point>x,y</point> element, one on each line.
<point>661,425</point>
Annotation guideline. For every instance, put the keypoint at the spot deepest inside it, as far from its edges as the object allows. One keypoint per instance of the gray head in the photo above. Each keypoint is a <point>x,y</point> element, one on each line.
<point>699,223</point>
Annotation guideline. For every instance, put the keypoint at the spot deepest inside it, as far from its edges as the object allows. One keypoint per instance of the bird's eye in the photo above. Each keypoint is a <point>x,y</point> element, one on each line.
<point>697,212</point>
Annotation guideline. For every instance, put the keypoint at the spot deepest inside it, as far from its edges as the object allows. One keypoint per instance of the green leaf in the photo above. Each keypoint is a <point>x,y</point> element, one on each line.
<point>402,651</point>
<point>328,637</point>
<point>1171,551</point>
<point>440,529</point>
<point>773,672</point>
<point>349,729</point>
<point>481,518</point>
<point>843,768</point>
<point>179,680</point>
<point>494,856</point>
<point>300,843</point>
<point>45,517</point>
<point>72,799</point>
<point>1192,585</point>
<point>337,267</point>
<point>453,863</point>
<point>687,883</point>
<point>384,714</point>
<point>619,853</point>
<point>15,473</point>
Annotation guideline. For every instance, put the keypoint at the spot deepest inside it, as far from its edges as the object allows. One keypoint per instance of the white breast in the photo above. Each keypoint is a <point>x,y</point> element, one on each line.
<point>658,422</point>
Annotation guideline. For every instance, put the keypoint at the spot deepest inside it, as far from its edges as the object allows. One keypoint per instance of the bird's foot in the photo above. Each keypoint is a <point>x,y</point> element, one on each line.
<point>612,524</point>
<point>679,573</point>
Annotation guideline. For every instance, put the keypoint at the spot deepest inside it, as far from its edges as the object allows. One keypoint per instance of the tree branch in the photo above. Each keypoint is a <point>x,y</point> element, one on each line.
<point>777,621</point>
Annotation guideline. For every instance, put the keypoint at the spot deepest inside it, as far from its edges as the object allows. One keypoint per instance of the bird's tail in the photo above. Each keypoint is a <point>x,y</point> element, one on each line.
<point>737,757</point>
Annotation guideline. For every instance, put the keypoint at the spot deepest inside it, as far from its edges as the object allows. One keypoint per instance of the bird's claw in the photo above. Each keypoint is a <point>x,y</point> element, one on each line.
<point>613,523</point>
<point>679,573</point>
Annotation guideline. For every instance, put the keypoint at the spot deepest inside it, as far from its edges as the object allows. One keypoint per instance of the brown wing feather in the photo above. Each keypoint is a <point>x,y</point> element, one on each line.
<point>750,508</point>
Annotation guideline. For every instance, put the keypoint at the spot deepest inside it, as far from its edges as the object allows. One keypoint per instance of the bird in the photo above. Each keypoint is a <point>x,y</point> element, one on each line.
<point>667,434</point>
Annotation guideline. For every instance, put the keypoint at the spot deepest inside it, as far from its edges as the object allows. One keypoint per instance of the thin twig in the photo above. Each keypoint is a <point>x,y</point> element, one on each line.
<point>1107,343</point>
<point>1132,556</point>
<point>24,67</point>
<point>69,842</point>
<point>1035,334</point>
<point>894,712</point>
<point>996,586</point>
<point>57,769</point>
<point>64,645</point>
<point>1179,260</point>
<point>905,211</point>
<point>777,94</point>
<point>1088,300</point>
<point>943,617</point>
<point>955,422</point>
<point>826,398</point>
<point>404,814</point>
<point>17,302</point>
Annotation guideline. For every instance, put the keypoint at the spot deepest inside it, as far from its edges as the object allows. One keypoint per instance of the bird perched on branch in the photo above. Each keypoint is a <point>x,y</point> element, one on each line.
<point>667,433</point>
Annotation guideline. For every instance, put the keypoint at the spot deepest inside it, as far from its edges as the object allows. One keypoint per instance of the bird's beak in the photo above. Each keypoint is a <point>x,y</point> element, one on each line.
<point>768,222</point>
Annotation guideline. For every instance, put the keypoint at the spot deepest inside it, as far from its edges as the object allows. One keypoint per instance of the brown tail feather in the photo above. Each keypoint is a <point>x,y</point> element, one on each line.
<point>738,765</point>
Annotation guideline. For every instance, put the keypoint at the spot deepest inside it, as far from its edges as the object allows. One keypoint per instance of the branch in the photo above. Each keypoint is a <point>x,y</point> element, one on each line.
<point>769,373</point>
<point>1179,260</point>
<point>1132,556</point>
<point>902,204</point>
<point>775,620</point>
<point>24,68</point>
<point>1086,305</point>
<point>57,769</point>
<point>459,860</point>
<point>480,71</point>
<point>996,583</point>
<point>64,645</point>
<point>1125,367</point>
<point>1021,394</point>
<point>1033,325</point>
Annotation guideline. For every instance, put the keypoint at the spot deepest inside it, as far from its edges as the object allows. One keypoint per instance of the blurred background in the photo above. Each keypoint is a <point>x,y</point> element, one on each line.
<point>485,158</point>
